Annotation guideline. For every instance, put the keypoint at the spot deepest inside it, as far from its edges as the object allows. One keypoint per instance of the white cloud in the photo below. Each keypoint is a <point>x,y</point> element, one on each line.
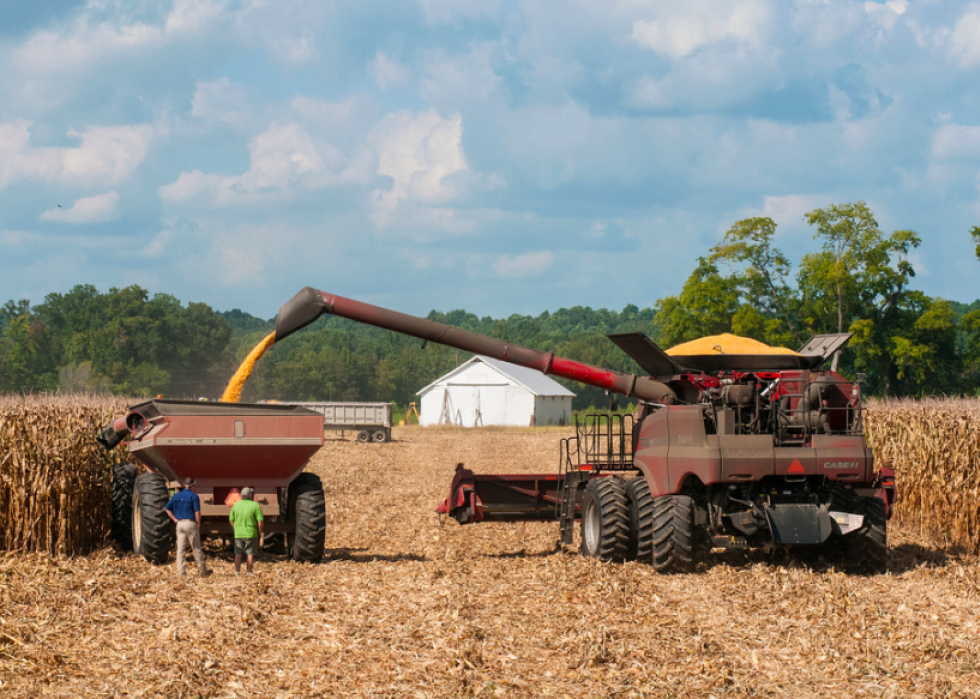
<point>680,29</point>
<point>89,39</point>
<point>453,78</point>
<point>446,11</point>
<point>888,13</point>
<point>388,72</point>
<point>964,42</point>
<point>222,99</point>
<point>787,211</point>
<point>283,158</point>
<point>192,16</point>
<point>97,209</point>
<point>418,152</point>
<point>106,154</point>
<point>956,142</point>
<point>529,264</point>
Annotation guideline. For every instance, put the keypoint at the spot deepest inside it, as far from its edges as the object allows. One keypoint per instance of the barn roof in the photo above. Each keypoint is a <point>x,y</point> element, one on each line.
<point>533,380</point>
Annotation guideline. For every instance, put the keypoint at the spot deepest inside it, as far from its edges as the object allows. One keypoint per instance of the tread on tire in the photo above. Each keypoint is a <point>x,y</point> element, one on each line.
<point>866,550</point>
<point>308,509</point>
<point>674,537</point>
<point>605,519</point>
<point>153,531</point>
<point>640,545</point>
<point>121,517</point>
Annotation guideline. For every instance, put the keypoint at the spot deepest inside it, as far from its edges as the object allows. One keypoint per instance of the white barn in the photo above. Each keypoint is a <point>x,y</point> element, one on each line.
<point>485,391</point>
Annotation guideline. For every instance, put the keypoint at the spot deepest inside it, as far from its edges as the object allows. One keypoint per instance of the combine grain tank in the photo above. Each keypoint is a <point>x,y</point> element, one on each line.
<point>224,447</point>
<point>727,451</point>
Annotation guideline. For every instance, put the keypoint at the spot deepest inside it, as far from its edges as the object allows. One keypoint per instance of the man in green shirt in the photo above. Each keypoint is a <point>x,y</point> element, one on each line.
<point>246,516</point>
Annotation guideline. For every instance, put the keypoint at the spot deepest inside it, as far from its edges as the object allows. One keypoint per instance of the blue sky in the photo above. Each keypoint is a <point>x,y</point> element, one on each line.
<point>495,155</point>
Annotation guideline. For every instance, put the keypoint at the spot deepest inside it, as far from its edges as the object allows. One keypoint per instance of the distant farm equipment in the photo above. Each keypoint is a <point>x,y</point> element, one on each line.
<point>370,422</point>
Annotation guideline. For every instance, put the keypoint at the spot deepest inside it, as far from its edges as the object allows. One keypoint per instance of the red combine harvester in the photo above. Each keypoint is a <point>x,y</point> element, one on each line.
<point>726,451</point>
<point>224,447</point>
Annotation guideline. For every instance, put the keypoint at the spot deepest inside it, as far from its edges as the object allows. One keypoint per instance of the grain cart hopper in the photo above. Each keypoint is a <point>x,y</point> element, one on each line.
<point>224,447</point>
<point>727,451</point>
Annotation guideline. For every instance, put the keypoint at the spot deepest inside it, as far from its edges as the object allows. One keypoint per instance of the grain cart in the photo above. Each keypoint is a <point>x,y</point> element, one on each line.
<point>224,447</point>
<point>727,451</point>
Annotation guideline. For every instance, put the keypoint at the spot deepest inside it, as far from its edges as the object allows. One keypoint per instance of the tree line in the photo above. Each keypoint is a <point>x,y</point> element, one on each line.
<point>905,343</point>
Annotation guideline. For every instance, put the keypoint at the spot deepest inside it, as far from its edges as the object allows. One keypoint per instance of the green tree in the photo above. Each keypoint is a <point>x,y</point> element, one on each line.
<point>859,274</point>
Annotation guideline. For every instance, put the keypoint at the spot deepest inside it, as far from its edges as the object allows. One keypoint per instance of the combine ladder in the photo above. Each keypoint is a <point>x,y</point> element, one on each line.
<point>601,444</point>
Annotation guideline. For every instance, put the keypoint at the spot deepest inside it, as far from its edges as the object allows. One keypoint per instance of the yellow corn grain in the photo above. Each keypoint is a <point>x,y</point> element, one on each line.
<point>233,392</point>
<point>726,343</point>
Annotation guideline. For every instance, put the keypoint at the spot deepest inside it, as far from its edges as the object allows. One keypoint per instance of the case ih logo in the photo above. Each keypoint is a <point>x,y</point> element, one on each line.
<point>839,465</point>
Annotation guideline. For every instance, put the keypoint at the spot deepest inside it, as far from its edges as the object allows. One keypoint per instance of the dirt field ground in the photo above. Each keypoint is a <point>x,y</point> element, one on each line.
<point>402,607</point>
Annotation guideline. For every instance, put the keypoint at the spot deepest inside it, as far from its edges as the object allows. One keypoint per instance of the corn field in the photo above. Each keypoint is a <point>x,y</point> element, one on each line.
<point>54,478</point>
<point>934,445</point>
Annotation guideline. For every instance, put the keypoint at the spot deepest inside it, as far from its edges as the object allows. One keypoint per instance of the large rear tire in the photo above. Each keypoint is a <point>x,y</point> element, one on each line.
<point>121,518</point>
<point>153,531</point>
<point>605,519</point>
<point>640,546</point>
<point>866,550</point>
<point>675,548</point>
<point>308,509</point>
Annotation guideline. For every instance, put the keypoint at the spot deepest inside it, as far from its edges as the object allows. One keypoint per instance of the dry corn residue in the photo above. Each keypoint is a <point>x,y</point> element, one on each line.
<point>402,607</point>
<point>233,392</point>
<point>726,343</point>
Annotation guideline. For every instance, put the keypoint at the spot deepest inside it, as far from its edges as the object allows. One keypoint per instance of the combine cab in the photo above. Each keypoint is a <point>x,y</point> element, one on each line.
<point>224,447</point>
<point>727,451</point>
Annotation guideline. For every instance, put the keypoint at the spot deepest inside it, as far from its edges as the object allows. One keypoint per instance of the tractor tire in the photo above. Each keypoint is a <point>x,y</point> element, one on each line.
<point>308,509</point>
<point>121,518</point>
<point>153,531</point>
<point>379,436</point>
<point>675,546</point>
<point>605,519</point>
<point>640,545</point>
<point>866,550</point>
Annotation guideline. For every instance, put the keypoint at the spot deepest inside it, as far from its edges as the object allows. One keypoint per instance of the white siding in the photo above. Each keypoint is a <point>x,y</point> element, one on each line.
<point>478,394</point>
<point>553,410</point>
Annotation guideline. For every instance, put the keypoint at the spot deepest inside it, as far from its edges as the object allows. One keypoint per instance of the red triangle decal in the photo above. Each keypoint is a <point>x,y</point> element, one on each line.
<point>796,467</point>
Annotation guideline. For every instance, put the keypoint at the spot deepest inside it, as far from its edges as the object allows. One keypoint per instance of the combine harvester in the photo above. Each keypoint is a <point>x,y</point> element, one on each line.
<point>727,451</point>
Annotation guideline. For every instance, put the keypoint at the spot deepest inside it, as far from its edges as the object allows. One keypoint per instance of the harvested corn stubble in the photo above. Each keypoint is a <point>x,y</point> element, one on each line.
<point>404,607</point>
<point>726,343</point>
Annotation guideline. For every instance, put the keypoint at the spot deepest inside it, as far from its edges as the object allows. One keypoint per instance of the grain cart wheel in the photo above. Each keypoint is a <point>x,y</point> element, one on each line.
<point>121,522</point>
<point>605,519</point>
<point>153,530</point>
<point>674,545</point>
<point>866,550</point>
<point>363,436</point>
<point>640,545</point>
<point>308,509</point>
<point>379,436</point>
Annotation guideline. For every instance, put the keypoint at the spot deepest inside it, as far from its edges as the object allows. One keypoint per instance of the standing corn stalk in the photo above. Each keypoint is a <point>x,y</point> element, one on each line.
<point>935,447</point>
<point>54,478</point>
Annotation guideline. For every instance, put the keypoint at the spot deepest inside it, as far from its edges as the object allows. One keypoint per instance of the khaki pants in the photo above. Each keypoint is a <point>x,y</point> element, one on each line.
<point>189,533</point>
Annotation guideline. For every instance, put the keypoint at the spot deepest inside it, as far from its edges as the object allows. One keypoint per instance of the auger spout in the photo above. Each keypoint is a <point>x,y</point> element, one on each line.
<point>309,304</point>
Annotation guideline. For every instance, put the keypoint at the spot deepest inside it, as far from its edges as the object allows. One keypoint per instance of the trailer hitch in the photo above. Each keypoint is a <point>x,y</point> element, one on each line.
<point>463,504</point>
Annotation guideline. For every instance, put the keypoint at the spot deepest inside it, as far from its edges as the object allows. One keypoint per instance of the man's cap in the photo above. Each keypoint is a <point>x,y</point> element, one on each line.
<point>247,493</point>
<point>188,482</point>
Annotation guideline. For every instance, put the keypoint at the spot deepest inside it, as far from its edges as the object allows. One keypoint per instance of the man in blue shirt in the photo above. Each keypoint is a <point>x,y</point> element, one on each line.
<point>184,508</point>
